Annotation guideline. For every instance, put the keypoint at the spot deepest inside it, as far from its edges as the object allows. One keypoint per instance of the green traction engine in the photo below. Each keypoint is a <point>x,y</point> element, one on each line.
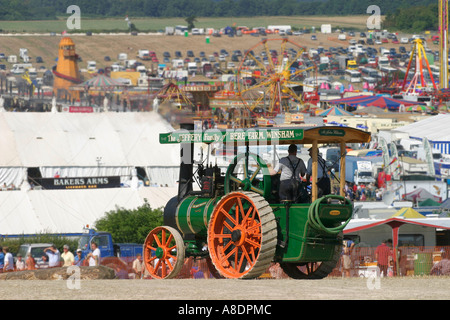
<point>235,219</point>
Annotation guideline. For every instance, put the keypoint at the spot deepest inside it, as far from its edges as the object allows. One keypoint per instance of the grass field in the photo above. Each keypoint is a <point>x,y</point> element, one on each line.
<point>155,24</point>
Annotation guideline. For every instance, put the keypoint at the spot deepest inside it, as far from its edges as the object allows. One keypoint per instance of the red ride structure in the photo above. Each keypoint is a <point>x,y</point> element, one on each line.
<point>418,84</point>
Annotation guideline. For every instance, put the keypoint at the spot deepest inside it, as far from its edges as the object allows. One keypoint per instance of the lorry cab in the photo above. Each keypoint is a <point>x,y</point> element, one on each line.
<point>364,173</point>
<point>352,65</point>
<point>118,254</point>
<point>102,239</point>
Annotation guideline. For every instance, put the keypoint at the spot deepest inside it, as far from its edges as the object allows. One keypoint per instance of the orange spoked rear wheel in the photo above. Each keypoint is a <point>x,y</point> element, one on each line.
<point>164,252</point>
<point>242,235</point>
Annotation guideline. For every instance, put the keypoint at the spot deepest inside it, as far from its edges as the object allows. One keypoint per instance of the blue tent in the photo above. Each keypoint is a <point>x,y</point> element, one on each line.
<point>375,101</point>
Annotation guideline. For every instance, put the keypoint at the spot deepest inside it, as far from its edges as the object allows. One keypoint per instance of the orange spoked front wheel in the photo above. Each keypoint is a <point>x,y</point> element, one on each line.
<point>164,252</point>
<point>242,235</point>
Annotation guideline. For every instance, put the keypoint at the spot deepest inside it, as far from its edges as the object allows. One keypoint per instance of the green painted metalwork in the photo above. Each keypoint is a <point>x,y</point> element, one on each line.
<point>309,242</point>
<point>192,215</point>
<point>249,182</point>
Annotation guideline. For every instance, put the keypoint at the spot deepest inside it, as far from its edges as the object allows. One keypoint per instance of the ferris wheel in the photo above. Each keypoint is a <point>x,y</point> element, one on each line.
<point>272,76</point>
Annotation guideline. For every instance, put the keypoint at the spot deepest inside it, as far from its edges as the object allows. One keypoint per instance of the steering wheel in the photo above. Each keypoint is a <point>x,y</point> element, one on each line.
<point>248,172</point>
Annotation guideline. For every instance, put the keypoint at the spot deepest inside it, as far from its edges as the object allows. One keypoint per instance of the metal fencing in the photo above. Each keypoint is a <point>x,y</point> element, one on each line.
<point>410,261</point>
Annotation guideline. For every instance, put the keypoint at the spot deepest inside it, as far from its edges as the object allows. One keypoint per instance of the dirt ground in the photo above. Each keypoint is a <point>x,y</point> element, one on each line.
<point>402,288</point>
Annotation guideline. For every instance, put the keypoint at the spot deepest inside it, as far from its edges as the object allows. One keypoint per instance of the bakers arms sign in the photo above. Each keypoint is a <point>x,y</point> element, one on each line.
<point>79,183</point>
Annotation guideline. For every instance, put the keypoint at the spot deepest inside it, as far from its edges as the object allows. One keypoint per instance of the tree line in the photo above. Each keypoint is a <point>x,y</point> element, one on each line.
<point>413,19</point>
<point>52,9</point>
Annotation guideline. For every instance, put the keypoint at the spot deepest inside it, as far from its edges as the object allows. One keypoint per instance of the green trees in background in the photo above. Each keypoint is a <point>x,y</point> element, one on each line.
<point>130,226</point>
<point>424,10</point>
<point>414,19</point>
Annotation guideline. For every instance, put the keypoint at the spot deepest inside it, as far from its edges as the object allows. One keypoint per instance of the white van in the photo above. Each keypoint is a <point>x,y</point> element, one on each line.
<point>36,250</point>
<point>91,66</point>
<point>177,63</point>
<point>122,56</point>
<point>192,67</point>
<point>20,68</point>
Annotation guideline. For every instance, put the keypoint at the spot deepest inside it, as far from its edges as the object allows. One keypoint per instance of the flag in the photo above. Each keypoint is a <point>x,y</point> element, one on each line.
<point>393,160</point>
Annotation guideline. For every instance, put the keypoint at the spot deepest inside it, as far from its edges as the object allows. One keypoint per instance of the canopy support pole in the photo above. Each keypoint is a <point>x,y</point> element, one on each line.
<point>395,225</point>
<point>314,167</point>
<point>342,170</point>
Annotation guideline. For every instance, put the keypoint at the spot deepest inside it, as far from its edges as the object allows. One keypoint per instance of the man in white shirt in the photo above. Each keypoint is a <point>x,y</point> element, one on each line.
<point>94,256</point>
<point>292,170</point>
<point>20,263</point>
<point>54,256</point>
<point>9,260</point>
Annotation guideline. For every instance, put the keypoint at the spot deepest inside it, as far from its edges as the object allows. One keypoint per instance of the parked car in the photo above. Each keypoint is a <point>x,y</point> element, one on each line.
<point>36,250</point>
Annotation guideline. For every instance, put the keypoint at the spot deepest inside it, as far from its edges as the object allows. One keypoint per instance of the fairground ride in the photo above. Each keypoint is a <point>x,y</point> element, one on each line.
<point>271,76</point>
<point>172,96</point>
<point>443,44</point>
<point>418,84</point>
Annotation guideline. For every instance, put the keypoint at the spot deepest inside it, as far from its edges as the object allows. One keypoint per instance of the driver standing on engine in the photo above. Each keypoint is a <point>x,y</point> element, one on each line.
<point>292,170</point>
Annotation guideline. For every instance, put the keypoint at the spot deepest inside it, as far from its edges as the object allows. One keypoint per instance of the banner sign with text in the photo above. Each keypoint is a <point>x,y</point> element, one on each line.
<point>79,183</point>
<point>259,136</point>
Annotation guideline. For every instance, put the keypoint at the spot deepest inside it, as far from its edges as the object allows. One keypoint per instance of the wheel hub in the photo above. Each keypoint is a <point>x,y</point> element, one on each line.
<point>247,184</point>
<point>159,252</point>
<point>236,236</point>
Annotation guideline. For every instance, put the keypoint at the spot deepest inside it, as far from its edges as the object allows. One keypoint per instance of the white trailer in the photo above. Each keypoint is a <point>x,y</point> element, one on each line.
<point>280,28</point>
<point>122,56</point>
<point>325,28</point>
<point>170,31</point>
<point>144,54</point>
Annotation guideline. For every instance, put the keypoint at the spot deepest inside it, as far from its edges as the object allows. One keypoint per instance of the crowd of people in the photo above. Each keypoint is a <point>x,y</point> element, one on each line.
<point>52,258</point>
<point>362,192</point>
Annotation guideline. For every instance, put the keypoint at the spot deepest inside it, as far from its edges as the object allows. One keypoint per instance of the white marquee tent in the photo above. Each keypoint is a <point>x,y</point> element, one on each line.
<point>436,129</point>
<point>81,145</point>
<point>86,145</point>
